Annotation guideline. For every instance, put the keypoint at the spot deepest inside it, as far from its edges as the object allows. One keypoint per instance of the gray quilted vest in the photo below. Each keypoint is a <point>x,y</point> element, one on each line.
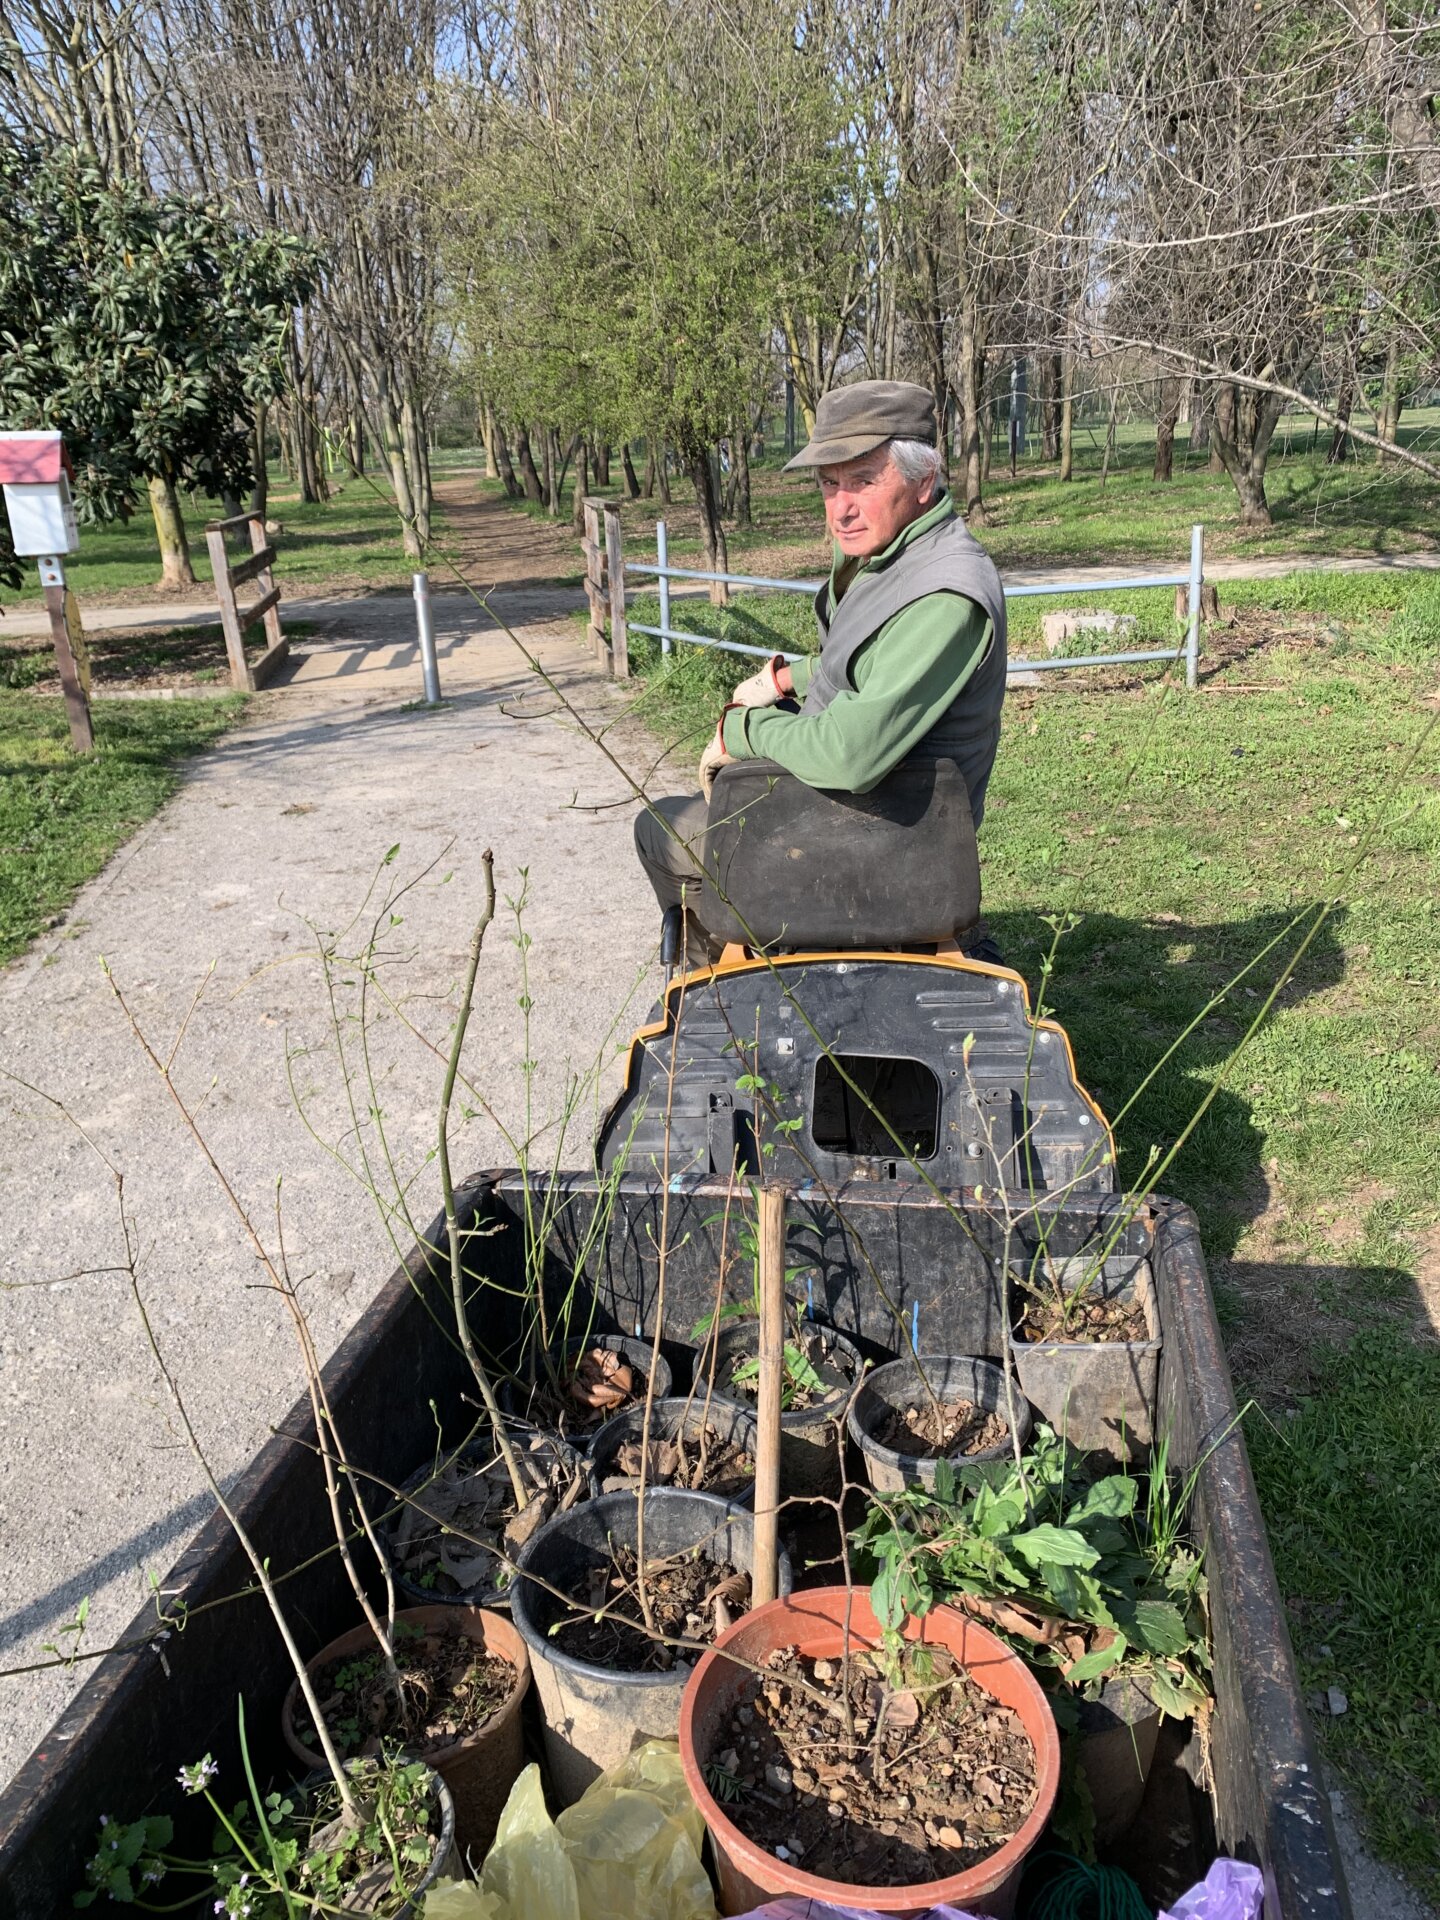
<point>945,559</point>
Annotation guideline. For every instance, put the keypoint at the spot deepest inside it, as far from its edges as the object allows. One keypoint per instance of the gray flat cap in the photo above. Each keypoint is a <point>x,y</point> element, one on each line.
<point>853,420</point>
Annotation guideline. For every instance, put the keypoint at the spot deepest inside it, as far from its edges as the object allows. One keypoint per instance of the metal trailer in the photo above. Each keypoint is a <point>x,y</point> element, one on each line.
<point>887,1239</point>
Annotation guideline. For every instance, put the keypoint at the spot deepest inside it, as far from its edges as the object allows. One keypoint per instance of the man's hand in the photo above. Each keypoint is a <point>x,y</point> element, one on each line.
<point>711,761</point>
<point>764,688</point>
<point>715,756</point>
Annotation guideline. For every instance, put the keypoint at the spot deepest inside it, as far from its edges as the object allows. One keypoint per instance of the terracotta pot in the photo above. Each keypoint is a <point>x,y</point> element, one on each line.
<point>479,1769</point>
<point>813,1623</point>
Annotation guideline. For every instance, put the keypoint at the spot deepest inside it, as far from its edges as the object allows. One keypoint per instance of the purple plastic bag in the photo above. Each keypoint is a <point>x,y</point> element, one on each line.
<point>817,1910</point>
<point>1231,1890</point>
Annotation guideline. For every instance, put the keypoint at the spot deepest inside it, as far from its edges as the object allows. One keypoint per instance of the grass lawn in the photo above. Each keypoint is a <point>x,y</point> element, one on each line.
<point>351,540</point>
<point>62,816</point>
<point>1193,836</point>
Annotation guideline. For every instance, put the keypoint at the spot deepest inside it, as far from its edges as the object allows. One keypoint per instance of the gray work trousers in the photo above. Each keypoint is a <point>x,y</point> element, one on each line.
<point>672,862</point>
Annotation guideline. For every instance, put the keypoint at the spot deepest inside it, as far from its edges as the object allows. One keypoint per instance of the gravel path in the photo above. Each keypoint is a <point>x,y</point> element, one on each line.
<point>287,820</point>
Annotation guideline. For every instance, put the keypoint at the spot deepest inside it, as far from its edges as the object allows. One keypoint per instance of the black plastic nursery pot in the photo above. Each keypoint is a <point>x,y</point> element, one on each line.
<point>518,1396</point>
<point>876,1249</point>
<point>898,1386</point>
<point>692,1416</point>
<point>810,1437</point>
<point>594,1715</point>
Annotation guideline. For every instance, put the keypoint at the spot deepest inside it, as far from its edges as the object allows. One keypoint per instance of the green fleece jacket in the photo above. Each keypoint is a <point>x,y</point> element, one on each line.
<point>903,681</point>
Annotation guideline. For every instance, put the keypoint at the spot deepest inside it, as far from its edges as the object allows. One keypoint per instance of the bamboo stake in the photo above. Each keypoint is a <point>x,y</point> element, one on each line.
<point>764,1575</point>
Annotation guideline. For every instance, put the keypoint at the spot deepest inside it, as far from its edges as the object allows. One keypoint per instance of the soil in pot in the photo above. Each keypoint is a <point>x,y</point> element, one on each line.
<point>410,1820</point>
<point>941,1428</point>
<point>1090,1319</point>
<point>598,1379</point>
<point>935,1776</point>
<point>690,1598</point>
<point>701,1450</point>
<point>455,1537</point>
<point>448,1690</point>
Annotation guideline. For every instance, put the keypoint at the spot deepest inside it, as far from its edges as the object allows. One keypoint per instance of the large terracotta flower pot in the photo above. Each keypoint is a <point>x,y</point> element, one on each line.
<point>814,1624</point>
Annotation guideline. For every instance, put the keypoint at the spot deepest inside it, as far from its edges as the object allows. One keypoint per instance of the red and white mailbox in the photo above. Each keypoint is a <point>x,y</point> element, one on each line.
<point>35,473</point>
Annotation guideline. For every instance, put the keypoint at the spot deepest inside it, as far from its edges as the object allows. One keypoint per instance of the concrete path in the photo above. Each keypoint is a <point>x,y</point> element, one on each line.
<point>287,820</point>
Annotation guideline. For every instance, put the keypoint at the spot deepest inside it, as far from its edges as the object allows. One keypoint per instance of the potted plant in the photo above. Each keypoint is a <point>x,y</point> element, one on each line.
<point>374,1846</point>
<point>702,1443</point>
<point>614,1600</point>
<point>597,1376</point>
<point>1091,1580</point>
<point>847,1761</point>
<point>1086,1347</point>
<point>463,1673</point>
<point>458,1530</point>
<point>913,1412</point>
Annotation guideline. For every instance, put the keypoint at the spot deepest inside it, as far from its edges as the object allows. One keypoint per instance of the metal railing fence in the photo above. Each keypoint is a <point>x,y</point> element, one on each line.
<point>1187,649</point>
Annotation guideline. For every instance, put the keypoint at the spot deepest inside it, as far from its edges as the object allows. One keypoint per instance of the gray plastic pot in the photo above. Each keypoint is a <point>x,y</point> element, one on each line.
<point>1100,1394</point>
<point>810,1438</point>
<point>489,1593</point>
<point>897,1386</point>
<point>518,1396</point>
<point>667,1419</point>
<point>594,1715</point>
<point>444,1862</point>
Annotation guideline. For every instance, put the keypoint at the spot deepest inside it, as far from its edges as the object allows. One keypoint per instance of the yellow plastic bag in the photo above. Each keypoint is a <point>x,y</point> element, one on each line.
<point>629,1849</point>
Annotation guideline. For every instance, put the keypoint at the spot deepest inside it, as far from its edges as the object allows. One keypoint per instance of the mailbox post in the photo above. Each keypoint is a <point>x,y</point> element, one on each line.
<point>35,473</point>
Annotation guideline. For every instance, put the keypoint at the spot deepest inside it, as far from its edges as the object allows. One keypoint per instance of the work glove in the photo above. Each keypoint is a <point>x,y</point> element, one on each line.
<point>714,757</point>
<point>764,688</point>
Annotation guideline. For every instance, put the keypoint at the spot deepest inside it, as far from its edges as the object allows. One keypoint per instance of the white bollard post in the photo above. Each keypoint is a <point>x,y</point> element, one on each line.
<point>662,560</point>
<point>425,626</point>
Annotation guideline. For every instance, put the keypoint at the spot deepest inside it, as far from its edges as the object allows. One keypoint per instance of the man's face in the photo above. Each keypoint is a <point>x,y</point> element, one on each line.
<point>868,501</point>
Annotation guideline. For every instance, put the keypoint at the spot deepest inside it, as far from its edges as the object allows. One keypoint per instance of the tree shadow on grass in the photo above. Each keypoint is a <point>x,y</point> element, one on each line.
<point>1125,991</point>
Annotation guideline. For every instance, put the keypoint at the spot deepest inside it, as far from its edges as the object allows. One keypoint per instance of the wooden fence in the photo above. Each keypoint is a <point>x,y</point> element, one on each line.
<point>605,586</point>
<point>235,618</point>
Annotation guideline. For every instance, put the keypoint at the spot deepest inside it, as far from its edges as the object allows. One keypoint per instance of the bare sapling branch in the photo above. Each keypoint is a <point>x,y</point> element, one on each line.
<point>447,1187</point>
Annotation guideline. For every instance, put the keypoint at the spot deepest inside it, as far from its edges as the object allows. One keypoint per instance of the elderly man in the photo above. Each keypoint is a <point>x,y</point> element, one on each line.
<point>912,640</point>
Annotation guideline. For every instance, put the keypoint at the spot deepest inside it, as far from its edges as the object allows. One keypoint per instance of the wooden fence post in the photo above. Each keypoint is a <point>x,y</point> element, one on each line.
<point>615,566</point>
<point>594,548</point>
<point>234,619</point>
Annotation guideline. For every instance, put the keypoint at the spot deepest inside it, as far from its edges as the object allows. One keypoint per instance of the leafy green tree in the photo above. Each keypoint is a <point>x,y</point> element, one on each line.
<point>145,328</point>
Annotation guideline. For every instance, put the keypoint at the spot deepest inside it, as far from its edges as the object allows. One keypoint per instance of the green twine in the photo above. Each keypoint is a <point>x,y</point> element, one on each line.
<point>1073,1891</point>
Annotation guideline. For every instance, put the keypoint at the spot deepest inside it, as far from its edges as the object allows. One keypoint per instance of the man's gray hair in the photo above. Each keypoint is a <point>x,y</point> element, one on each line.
<point>915,460</point>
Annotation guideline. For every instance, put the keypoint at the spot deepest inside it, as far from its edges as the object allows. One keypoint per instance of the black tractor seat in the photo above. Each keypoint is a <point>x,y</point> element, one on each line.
<point>790,868</point>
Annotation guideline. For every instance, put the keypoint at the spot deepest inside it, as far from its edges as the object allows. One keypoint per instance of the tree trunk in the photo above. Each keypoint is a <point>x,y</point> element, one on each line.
<point>1170,392</point>
<point>395,459</point>
<point>1222,425</point>
<point>1067,419</point>
<point>650,470</point>
<point>176,570</point>
<point>662,473</point>
<point>1200,405</point>
<point>740,455</point>
<point>550,461</point>
<point>969,383</point>
<point>529,477</point>
<point>582,487</point>
<point>417,463</point>
<point>1241,435</point>
<point>632,485</point>
<point>260,482</point>
<point>1050,412</point>
<point>230,504</point>
<point>487,434</point>
<point>503,463</point>
<point>602,466</point>
<point>712,532</point>
<point>1391,399</point>
<point>1341,445</point>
